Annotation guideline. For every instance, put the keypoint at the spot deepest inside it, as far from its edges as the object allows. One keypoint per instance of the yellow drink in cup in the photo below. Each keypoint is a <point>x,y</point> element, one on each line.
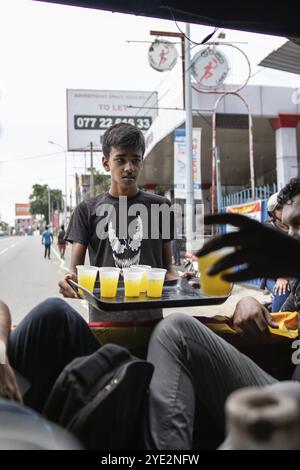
<point>155,281</point>
<point>214,285</point>
<point>109,278</point>
<point>132,282</point>
<point>86,276</point>
<point>143,268</point>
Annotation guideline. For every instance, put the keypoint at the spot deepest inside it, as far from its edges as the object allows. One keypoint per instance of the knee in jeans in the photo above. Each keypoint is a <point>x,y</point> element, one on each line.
<point>180,324</point>
<point>53,307</point>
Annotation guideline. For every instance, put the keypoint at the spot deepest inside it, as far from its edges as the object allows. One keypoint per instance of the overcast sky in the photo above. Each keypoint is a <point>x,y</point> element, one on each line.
<point>46,49</point>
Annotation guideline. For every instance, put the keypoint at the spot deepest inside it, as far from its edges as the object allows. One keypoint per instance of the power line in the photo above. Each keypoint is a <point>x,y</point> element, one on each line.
<point>31,158</point>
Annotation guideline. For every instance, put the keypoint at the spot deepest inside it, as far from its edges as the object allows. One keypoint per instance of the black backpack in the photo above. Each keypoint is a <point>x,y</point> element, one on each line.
<point>102,399</point>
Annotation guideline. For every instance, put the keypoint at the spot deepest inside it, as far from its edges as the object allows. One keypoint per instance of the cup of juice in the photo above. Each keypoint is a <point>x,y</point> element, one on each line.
<point>86,276</point>
<point>109,278</point>
<point>132,282</point>
<point>214,285</point>
<point>143,268</point>
<point>155,281</point>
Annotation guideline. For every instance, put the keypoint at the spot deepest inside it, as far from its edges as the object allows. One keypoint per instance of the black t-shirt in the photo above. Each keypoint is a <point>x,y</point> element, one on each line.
<point>122,232</point>
<point>61,237</point>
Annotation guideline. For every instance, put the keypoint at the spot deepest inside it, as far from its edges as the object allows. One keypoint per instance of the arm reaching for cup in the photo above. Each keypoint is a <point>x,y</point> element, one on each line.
<point>257,246</point>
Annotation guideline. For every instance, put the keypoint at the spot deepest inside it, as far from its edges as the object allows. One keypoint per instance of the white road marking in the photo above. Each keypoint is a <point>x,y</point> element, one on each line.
<point>62,261</point>
<point>3,251</point>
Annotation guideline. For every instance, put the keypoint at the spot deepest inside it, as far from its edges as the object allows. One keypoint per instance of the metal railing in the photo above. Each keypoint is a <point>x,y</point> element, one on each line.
<point>244,196</point>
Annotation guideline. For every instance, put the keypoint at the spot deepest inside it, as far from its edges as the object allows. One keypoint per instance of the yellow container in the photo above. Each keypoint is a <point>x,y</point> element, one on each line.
<point>86,276</point>
<point>214,285</point>
<point>109,278</point>
<point>155,281</point>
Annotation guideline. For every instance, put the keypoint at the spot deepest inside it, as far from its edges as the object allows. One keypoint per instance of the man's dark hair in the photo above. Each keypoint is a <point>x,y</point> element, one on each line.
<point>289,191</point>
<point>62,227</point>
<point>46,228</point>
<point>123,135</point>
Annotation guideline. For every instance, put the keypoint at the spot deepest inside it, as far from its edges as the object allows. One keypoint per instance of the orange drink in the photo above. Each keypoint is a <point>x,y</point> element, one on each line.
<point>86,276</point>
<point>109,278</point>
<point>143,268</point>
<point>155,281</point>
<point>132,282</point>
<point>214,285</point>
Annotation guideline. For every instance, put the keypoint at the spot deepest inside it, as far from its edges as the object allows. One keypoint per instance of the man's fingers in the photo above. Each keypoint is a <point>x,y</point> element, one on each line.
<point>221,241</point>
<point>269,318</point>
<point>236,220</point>
<point>241,275</point>
<point>233,259</point>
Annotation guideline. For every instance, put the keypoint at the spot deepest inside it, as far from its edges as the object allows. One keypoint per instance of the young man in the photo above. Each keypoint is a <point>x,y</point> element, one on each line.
<point>117,230</point>
<point>47,239</point>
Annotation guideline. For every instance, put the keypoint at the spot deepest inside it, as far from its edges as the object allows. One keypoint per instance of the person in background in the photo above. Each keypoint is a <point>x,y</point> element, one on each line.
<point>61,242</point>
<point>47,239</point>
<point>279,288</point>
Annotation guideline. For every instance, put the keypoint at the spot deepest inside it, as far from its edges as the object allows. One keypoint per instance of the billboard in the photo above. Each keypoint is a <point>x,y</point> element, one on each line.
<point>250,209</point>
<point>91,112</point>
<point>22,210</point>
<point>180,164</point>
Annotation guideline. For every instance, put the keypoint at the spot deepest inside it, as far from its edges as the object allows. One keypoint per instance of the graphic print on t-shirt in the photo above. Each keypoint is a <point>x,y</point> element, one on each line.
<point>126,252</point>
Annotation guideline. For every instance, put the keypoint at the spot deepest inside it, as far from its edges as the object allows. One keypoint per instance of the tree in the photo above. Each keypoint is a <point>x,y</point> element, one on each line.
<point>39,200</point>
<point>101,182</point>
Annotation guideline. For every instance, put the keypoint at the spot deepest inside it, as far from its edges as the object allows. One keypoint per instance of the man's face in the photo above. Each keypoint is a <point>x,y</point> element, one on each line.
<point>124,166</point>
<point>291,216</point>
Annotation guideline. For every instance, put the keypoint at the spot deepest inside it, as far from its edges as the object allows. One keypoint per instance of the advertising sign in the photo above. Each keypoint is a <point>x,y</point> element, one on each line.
<point>162,55</point>
<point>251,209</point>
<point>22,210</point>
<point>180,164</point>
<point>210,68</point>
<point>91,112</point>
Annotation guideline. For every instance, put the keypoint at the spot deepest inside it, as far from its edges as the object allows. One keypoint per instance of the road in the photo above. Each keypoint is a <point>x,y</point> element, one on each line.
<point>27,278</point>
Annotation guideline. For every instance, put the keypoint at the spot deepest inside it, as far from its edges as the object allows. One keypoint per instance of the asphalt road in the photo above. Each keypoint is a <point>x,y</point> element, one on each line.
<point>27,278</point>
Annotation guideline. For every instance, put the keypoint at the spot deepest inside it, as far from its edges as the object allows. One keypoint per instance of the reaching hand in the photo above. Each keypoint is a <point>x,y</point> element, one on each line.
<point>265,251</point>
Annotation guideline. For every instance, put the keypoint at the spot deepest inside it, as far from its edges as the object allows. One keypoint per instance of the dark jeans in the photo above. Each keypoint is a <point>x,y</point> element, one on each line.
<point>46,340</point>
<point>278,300</point>
<point>176,251</point>
<point>193,362</point>
<point>47,251</point>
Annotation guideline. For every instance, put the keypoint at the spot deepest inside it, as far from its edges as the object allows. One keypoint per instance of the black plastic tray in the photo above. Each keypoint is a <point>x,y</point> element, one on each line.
<point>176,293</point>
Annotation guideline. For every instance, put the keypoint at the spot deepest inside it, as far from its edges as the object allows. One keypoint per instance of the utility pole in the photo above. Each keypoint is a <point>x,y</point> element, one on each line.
<point>181,36</point>
<point>190,215</point>
<point>92,187</point>
<point>49,207</point>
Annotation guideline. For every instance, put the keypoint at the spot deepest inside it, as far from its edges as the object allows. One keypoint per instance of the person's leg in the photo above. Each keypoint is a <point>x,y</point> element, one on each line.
<point>45,254</point>
<point>190,360</point>
<point>49,249</point>
<point>278,300</point>
<point>45,341</point>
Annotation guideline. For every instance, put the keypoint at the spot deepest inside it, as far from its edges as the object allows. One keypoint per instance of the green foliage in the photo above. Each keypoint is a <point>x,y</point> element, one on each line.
<point>101,182</point>
<point>39,200</point>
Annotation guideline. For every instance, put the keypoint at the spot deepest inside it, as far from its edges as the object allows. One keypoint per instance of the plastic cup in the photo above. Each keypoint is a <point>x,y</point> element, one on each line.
<point>132,282</point>
<point>143,268</point>
<point>86,276</point>
<point>109,278</point>
<point>214,285</point>
<point>155,281</point>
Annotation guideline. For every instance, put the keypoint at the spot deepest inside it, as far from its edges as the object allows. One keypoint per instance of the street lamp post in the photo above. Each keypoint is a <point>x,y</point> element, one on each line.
<point>49,207</point>
<point>66,177</point>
